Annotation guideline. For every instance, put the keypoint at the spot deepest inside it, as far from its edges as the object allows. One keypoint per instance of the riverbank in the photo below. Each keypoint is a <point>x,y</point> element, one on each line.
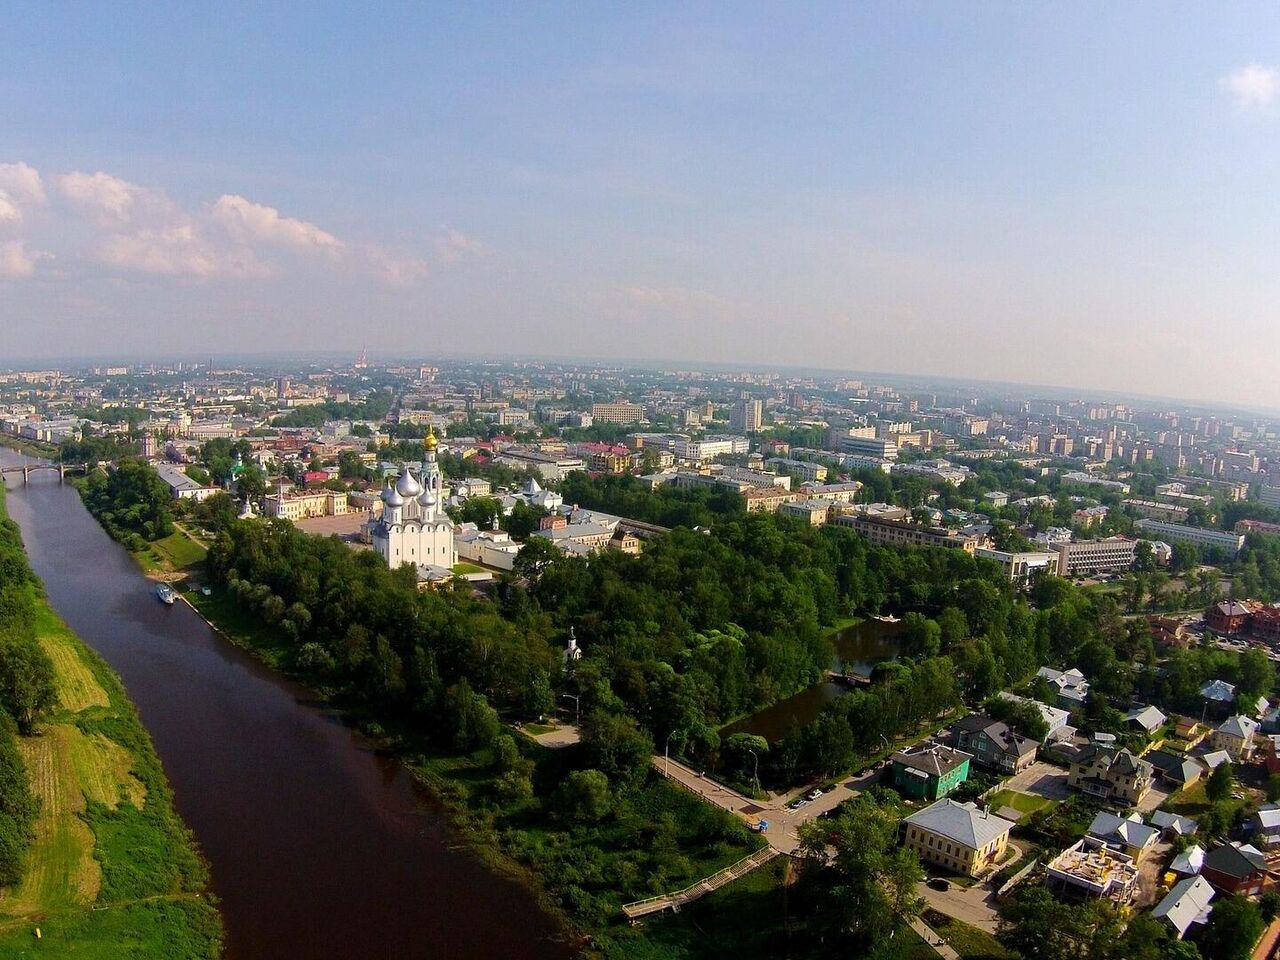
<point>582,873</point>
<point>32,448</point>
<point>112,870</point>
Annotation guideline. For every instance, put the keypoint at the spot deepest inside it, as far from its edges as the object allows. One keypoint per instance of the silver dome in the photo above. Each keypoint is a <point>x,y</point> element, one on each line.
<point>407,486</point>
<point>391,498</point>
<point>428,499</point>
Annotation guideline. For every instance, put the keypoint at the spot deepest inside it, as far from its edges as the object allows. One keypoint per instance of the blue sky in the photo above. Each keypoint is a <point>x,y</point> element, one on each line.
<point>1077,194</point>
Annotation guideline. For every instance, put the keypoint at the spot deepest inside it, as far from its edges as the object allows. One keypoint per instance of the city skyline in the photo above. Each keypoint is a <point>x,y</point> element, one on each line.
<point>960,195</point>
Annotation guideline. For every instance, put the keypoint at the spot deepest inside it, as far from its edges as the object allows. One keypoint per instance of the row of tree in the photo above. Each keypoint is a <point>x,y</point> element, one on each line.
<point>26,694</point>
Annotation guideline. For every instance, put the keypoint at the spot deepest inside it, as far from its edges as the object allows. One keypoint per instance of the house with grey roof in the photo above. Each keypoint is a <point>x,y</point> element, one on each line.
<point>1145,719</point>
<point>993,744</point>
<point>1235,736</point>
<point>1128,834</point>
<point>1070,686</point>
<point>1264,826</point>
<point>1186,906</point>
<point>959,837</point>
<point>1174,824</point>
<point>1188,862</point>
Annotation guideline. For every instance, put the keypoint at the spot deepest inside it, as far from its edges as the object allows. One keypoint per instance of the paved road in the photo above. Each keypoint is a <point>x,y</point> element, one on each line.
<point>974,905</point>
<point>564,735</point>
<point>1041,780</point>
<point>783,821</point>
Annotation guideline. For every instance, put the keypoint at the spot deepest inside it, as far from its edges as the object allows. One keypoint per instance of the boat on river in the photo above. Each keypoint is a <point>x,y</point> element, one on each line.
<point>166,593</point>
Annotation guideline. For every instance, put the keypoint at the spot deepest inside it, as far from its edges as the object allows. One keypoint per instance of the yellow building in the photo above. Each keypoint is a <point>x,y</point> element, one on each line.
<point>307,503</point>
<point>957,836</point>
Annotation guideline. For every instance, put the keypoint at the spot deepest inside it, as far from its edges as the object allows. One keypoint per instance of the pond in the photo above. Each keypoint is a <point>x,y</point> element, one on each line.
<point>858,648</point>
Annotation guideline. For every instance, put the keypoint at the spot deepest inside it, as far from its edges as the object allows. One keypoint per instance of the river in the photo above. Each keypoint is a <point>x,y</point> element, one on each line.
<point>320,847</point>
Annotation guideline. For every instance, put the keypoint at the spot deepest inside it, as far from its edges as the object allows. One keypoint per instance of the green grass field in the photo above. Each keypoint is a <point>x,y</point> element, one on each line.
<point>968,941</point>
<point>112,871</point>
<point>1022,802</point>
<point>171,554</point>
<point>462,567</point>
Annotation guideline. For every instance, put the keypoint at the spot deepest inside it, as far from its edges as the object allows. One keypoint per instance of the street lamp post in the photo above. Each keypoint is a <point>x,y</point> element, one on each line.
<point>666,748</point>
<point>577,705</point>
<point>756,776</point>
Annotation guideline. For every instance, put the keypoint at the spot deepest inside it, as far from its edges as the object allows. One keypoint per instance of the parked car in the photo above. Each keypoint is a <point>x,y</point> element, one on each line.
<point>939,883</point>
<point>813,794</point>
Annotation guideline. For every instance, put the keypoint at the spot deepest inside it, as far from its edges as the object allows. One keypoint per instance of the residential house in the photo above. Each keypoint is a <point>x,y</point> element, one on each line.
<point>1055,718</point>
<point>1186,906</point>
<point>1264,826</point>
<point>993,744</point>
<point>1113,774</point>
<point>1145,719</point>
<point>1070,687</point>
<point>1189,862</point>
<point>1174,824</point>
<point>1189,731</point>
<point>1175,769</point>
<point>1235,736</point>
<point>1128,834</point>
<point>1270,749</point>
<point>929,773</point>
<point>957,836</point>
<point>1229,616</point>
<point>1219,694</point>
<point>1215,759</point>
<point>1237,868</point>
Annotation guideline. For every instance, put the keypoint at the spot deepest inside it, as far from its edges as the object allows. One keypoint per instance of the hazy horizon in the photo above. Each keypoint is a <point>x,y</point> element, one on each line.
<point>1081,198</point>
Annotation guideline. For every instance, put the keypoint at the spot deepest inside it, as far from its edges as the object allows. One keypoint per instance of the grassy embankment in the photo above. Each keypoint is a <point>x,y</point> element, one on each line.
<point>112,871</point>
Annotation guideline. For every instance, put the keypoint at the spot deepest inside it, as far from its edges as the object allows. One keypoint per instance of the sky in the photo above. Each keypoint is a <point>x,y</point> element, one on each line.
<point>1078,194</point>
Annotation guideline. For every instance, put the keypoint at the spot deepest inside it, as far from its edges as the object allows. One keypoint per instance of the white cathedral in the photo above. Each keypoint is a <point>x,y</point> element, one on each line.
<point>413,527</point>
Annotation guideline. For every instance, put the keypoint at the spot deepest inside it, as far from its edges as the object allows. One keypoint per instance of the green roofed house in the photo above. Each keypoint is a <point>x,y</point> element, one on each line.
<point>929,773</point>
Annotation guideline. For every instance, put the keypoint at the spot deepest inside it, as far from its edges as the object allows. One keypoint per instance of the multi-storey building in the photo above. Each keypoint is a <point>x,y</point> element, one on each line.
<point>616,413</point>
<point>896,533</point>
<point>1084,557</point>
<point>1231,543</point>
<point>747,415</point>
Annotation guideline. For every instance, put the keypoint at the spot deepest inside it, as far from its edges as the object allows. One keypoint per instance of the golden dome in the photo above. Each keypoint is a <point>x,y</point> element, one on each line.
<point>430,443</point>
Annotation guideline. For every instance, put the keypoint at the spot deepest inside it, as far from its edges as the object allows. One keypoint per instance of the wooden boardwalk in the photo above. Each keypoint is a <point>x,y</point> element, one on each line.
<point>674,901</point>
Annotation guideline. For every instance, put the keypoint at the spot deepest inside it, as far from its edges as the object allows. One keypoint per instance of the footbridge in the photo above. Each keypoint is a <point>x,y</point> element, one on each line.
<point>674,901</point>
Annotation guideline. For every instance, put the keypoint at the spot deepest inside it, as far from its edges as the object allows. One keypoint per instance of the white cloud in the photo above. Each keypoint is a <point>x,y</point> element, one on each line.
<point>248,221</point>
<point>454,245</point>
<point>676,299</point>
<point>177,250</point>
<point>110,200</point>
<point>20,186</point>
<point>1253,87</point>
<point>16,260</point>
<point>398,270</point>
<point>131,227</point>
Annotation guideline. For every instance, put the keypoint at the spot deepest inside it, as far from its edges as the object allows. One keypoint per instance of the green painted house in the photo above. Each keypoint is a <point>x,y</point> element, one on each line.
<point>929,773</point>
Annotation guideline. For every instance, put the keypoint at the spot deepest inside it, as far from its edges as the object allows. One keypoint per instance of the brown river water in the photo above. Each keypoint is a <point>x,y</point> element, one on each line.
<point>320,847</point>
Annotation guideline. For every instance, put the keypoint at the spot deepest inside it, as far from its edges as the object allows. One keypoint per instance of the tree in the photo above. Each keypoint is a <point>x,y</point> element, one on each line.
<point>921,637</point>
<point>585,796</point>
<point>537,698</point>
<point>1234,927</point>
<point>862,880</point>
<point>616,745</point>
<point>27,688</point>
<point>470,718</point>
<point>535,556</point>
<point>1185,557</point>
<point>1220,783</point>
